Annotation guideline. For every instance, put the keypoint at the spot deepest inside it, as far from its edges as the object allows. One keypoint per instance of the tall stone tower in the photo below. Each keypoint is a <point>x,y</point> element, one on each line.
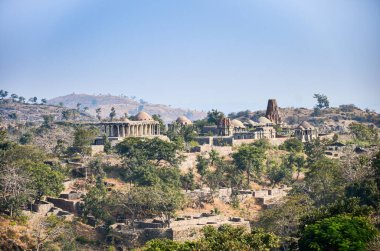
<point>273,113</point>
<point>225,127</point>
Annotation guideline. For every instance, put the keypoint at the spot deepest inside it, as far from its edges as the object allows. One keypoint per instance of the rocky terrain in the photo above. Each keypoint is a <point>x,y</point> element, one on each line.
<point>15,111</point>
<point>124,105</point>
<point>340,116</point>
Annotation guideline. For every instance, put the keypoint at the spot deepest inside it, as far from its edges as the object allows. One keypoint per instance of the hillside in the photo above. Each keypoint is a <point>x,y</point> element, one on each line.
<point>333,117</point>
<point>16,111</point>
<point>124,105</point>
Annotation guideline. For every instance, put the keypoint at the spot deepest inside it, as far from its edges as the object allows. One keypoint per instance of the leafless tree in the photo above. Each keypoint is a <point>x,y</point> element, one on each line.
<point>356,167</point>
<point>50,229</point>
<point>13,188</point>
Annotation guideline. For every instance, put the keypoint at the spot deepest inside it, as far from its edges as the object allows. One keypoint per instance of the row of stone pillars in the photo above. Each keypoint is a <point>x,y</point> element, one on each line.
<point>121,130</point>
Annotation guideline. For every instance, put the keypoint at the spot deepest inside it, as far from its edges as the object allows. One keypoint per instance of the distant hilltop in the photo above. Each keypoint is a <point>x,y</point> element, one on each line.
<point>124,105</point>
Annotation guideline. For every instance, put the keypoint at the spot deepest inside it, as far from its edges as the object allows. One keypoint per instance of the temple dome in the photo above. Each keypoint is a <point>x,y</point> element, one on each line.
<point>264,120</point>
<point>183,120</point>
<point>305,125</point>
<point>252,123</point>
<point>142,116</point>
<point>237,123</point>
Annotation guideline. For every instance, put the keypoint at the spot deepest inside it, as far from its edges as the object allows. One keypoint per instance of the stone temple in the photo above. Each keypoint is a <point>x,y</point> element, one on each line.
<point>143,125</point>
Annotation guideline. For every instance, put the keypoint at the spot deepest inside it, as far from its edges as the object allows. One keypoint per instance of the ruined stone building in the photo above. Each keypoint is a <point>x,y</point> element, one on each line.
<point>225,127</point>
<point>272,112</point>
<point>143,125</point>
<point>305,132</point>
<point>229,131</point>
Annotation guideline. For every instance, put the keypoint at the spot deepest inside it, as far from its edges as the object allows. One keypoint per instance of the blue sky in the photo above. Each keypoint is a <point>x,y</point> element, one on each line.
<point>203,54</point>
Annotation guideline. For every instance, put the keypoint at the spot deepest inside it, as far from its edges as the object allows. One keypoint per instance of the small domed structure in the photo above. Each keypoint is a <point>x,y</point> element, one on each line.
<point>237,123</point>
<point>183,120</point>
<point>252,123</point>
<point>143,116</point>
<point>306,132</point>
<point>305,125</point>
<point>264,120</point>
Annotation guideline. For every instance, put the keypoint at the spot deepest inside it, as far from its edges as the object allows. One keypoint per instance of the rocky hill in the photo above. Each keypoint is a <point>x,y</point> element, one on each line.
<point>16,111</point>
<point>124,105</point>
<point>334,117</point>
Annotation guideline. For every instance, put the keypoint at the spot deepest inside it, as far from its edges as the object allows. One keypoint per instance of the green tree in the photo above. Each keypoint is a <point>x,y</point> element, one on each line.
<point>107,144</point>
<point>324,181</point>
<point>322,101</point>
<point>292,145</point>
<point>214,116</point>
<point>21,99</point>
<point>26,138</point>
<point>341,232</point>
<point>43,101</point>
<point>363,132</point>
<point>213,157</point>
<point>151,201</point>
<point>45,180</point>
<point>33,100</point>
<point>366,190</point>
<point>83,138</point>
<point>3,94</point>
<point>181,134</point>
<point>187,181</point>
<point>278,173</point>
<point>14,97</point>
<point>112,113</point>
<point>60,147</point>
<point>295,161</point>
<point>140,150</point>
<point>227,237</point>
<point>315,150</point>
<point>250,159</point>
<point>347,206</point>
<point>202,166</point>
<point>98,113</point>
<point>262,143</point>
<point>48,120</point>
<point>98,204</point>
<point>78,106</point>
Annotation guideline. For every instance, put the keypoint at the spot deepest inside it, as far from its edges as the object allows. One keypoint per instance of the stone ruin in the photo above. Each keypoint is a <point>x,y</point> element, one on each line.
<point>265,197</point>
<point>183,228</point>
<point>273,113</point>
<point>46,208</point>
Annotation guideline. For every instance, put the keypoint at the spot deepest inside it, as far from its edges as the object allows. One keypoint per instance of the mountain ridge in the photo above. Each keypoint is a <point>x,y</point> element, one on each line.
<point>124,105</point>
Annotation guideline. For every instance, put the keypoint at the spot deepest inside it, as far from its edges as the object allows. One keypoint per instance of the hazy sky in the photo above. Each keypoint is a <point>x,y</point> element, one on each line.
<point>230,55</point>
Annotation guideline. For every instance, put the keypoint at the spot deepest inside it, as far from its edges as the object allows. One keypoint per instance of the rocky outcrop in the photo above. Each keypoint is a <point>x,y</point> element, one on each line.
<point>273,113</point>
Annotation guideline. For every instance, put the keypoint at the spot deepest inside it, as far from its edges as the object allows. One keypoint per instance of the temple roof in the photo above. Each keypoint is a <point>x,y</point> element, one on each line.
<point>237,123</point>
<point>141,116</point>
<point>184,120</point>
<point>305,125</point>
<point>252,123</point>
<point>264,120</point>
